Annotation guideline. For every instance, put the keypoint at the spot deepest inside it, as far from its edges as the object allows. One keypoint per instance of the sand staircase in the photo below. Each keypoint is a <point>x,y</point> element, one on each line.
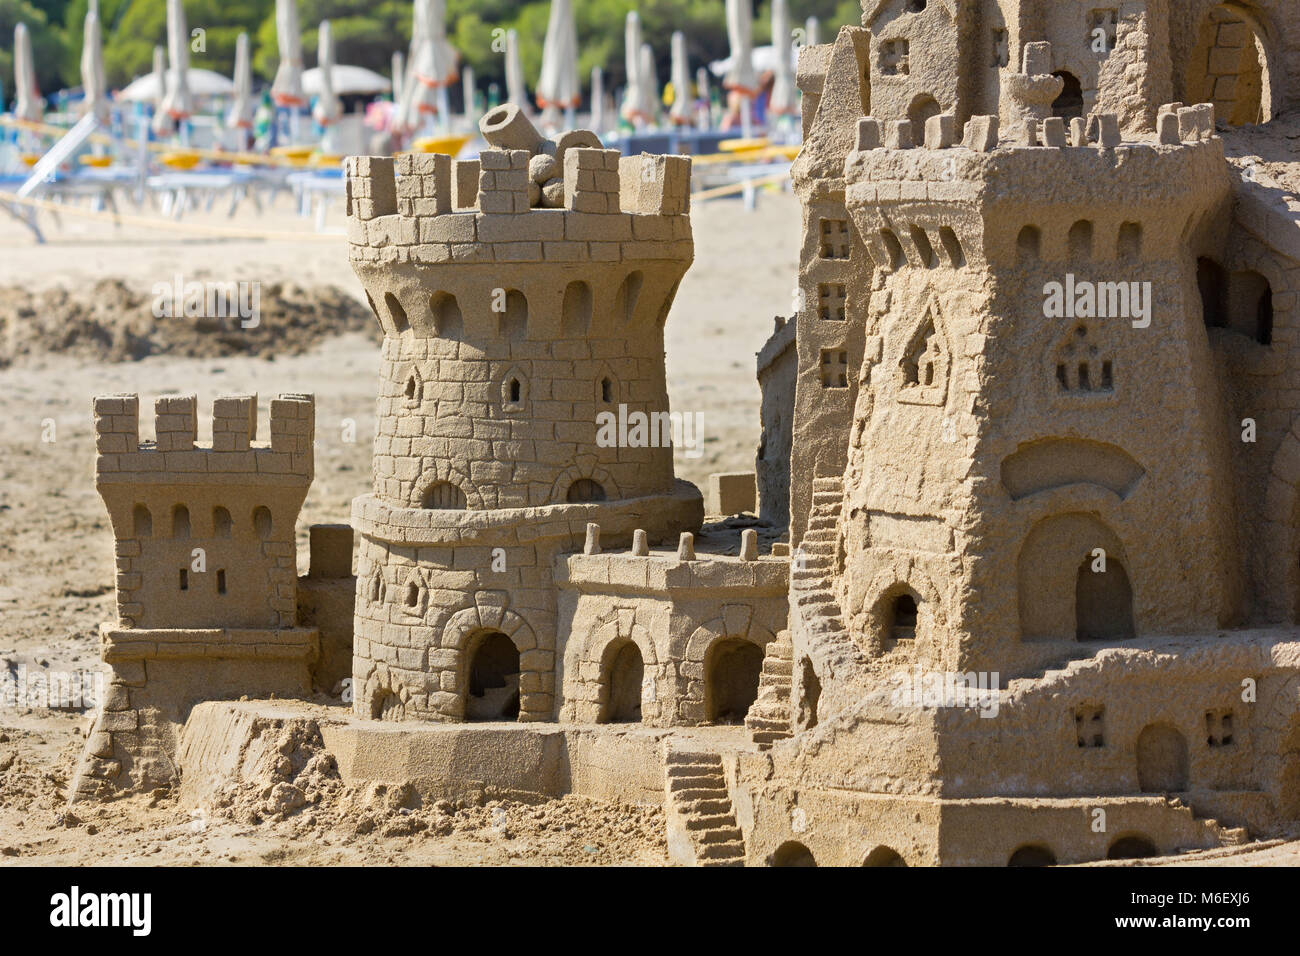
<point>769,718</point>
<point>1226,836</point>
<point>810,579</point>
<point>702,828</point>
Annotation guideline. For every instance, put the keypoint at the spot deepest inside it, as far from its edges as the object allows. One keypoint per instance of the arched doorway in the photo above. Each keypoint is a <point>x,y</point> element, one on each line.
<point>1131,847</point>
<point>731,675</point>
<point>1229,67</point>
<point>1161,759</point>
<point>1069,103</point>
<point>1103,601</point>
<point>493,687</point>
<point>623,675</point>
<point>793,853</point>
<point>1032,855</point>
<point>811,693</point>
<point>884,856</point>
<point>922,108</point>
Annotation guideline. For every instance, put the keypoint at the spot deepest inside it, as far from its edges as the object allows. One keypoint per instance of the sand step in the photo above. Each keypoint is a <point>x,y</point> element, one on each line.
<point>711,821</point>
<point>700,781</point>
<point>732,850</point>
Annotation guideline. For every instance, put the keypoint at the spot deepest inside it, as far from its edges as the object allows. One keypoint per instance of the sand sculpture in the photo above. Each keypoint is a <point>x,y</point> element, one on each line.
<point>1028,439</point>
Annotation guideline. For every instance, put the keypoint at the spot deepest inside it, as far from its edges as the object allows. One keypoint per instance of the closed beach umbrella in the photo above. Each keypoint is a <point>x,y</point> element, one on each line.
<point>650,83</point>
<point>467,88</point>
<point>740,28</point>
<point>93,80</point>
<point>399,75</point>
<point>598,118</point>
<point>633,97</point>
<point>683,104</point>
<point>432,64</point>
<point>28,104</point>
<point>812,32</point>
<point>240,115</point>
<point>515,90</point>
<point>557,88</point>
<point>328,109</point>
<point>178,102</point>
<point>784,101</point>
<point>286,89</point>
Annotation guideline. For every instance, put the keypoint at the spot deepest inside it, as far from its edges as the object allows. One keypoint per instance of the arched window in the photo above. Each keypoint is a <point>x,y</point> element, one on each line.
<point>893,249</point>
<point>606,390</point>
<point>793,853</point>
<point>262,522</point>
<point>1132,847</point>
<point>221,523</point>
<point>141,522</point>
<point>1250,306</point>
<point>952,246</point>
<point>1129,245</point>
<point>1069,103</point>
<point>1032,855</point>
<point>1103,602</point>
<point>413,391</point>
<point>180,522</point>
<point>443,496</point>
<point>923,247</point>
<point>512,316</point>
<point>396,313</point>
<point>585,490</point>
<point>1029,243</point>
<point>447,320</point>
<point>628,293</point>
<point>621,686</point>
<point>1080,239</point>
<point>1161,759</point>
<point>923,107</point>
<point>575,312</point>
<point>221,580</point>
<point>901,625</point>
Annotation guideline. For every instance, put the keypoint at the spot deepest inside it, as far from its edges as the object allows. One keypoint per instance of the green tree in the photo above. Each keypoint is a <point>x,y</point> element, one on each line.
<point>47,46</point>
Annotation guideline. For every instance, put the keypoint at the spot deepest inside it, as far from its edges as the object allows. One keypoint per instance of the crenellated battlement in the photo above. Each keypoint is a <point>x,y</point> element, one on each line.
<point>175,456</point>
<point>939,165</point>
<point>525,199</point>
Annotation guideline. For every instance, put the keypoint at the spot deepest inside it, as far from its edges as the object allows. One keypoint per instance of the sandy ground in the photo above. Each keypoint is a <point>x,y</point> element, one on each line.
<point>56,568</point>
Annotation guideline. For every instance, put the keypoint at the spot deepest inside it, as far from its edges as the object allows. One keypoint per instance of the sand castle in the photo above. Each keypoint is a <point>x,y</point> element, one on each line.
<point>1028,585</point>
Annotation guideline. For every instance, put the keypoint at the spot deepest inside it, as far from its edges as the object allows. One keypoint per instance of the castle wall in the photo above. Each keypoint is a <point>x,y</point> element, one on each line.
<point>677,613</point>
<point>778,369</point>
<point>997,378</point>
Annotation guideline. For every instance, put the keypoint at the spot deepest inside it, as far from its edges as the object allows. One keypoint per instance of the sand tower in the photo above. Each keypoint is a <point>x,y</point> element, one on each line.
<point>523,297</point>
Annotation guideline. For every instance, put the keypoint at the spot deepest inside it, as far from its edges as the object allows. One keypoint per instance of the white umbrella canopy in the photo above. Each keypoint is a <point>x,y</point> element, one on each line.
<point>784,100</point>
<point>633,97</point>
<point>93,80</point>
<point>151,87</point>
<point>28,104</point>
<point>558,85</point>
<point>346,81</point>
<point>178,101</point>
<point>516,92</point>
<point>683,102</point>
<point>433,64</point>
<point>286,89</point>
<point>741,76</point>
<point>240,115</point>
<point>762,58</point>
<point>328,108</point>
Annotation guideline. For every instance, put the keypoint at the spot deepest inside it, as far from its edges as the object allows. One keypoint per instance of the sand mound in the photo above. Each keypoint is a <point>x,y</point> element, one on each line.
<point>111,321</point>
